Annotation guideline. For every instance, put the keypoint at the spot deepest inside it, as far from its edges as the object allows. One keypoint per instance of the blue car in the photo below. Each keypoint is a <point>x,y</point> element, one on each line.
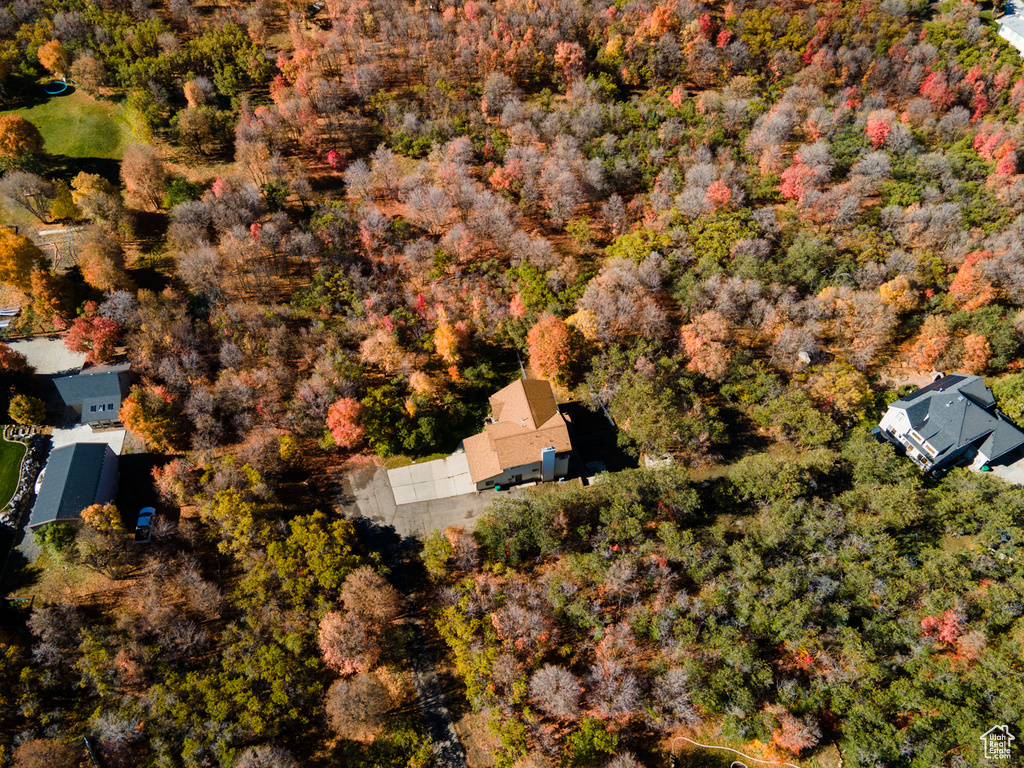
<point>144,527</point>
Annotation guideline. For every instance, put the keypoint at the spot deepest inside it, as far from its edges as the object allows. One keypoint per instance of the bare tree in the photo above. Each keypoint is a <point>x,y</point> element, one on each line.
<point>143,174</point>
<point>386,171</point>
<point>624,760</point>
<point>430,207</point>
<point>28,192</point>
<point>556,692</point>
<point>356,707</point>
<point>58,632</point>
<point>672,696</point>
<point>266,756</point>
<point>615,692</point>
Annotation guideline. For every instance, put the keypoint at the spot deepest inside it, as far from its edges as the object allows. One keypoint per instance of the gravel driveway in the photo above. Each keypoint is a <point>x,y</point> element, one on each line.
<point>48,355</point>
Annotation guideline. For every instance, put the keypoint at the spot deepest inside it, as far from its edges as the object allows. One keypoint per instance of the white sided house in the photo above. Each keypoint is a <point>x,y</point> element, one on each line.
<point>1011,24</point>
<point>526,438</point>
<point>953,420</point>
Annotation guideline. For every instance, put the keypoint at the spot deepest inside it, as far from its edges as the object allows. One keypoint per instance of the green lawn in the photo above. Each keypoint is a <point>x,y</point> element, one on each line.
<point>78,126</point>
<point>10,464</point>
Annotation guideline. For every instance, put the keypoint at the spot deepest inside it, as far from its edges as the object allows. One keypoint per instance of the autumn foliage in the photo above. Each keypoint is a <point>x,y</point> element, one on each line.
<point>53,56</point>
<point>97,336</point>
<point>704,341</point>
<point>343,422</point>
<point>18,136</point>
<point>148,412</point>
<point>554,347</point>
<point>977,353</point>
<point>970,285</point>
<point>102,517</point>
<point>348,644</point>
<point>18,257</point>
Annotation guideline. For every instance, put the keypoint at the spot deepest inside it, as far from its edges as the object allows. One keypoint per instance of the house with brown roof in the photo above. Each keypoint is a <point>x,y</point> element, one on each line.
<point>526,438</point>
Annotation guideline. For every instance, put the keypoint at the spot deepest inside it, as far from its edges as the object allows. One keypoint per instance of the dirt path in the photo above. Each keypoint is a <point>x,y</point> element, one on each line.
<point>431,689</point>
<point>448,749</point>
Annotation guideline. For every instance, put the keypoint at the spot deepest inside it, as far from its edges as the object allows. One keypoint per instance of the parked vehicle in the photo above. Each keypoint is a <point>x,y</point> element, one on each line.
<point>144,527</point>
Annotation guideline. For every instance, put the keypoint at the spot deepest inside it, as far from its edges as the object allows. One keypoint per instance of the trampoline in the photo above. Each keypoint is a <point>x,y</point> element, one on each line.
<point>55,87</point>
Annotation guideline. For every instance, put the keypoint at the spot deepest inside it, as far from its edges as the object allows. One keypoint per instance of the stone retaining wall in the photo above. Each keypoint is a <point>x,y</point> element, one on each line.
<point>16,512</point>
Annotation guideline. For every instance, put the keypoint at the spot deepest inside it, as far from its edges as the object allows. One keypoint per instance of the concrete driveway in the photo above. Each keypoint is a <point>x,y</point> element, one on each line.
<point>438,479</point>
<point>1011,473</point>
<point>83,433</point>
<point>368,494</point>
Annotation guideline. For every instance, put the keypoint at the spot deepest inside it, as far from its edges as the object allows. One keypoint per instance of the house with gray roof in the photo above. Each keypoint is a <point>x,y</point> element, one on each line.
<point>75,477</point>
<point>954,420</point>
<point>1011,24</point>
<point>95,394</point>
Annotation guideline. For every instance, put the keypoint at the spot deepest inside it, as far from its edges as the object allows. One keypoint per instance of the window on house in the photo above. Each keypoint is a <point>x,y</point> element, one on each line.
<point>110,406</point>
<point>101,406</point>
<point>916,436</point>
<point>931,450</point>
<point>93,409</point>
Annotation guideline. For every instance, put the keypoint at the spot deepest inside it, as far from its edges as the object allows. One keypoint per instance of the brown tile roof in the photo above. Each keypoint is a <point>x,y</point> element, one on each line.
<point>526,421</point>
<point>483,459</point>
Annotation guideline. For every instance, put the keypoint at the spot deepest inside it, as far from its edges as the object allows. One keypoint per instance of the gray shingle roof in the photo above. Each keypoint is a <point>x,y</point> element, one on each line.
<point>76,389</point>
<point>956,411</point>
<point>93,389</point>
<point>70,482</point>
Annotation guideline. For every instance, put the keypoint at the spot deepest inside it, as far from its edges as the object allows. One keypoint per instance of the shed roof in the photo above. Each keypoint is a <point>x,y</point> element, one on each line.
<point>70,482</point>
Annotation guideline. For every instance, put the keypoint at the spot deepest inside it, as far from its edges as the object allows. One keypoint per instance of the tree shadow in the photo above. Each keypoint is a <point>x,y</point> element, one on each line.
<point>148,277</point>
<point>136,487</point>
<point>30,95</point>
<point>66,168</point>
<point>744,436</point>
<point>20,575</point>
<point>595,440</point>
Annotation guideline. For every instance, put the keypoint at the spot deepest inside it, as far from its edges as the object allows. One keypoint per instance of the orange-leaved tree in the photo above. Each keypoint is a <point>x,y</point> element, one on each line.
<point>18,136</point>
<point>54,57</point>
<point>970,285</point>
<point>977,353</point>
<point>343,420</point>
<point>149,412</point>
<point>102,517</point>
<point>704,341</point>
<point>930,343</point>
<point>554,349</point>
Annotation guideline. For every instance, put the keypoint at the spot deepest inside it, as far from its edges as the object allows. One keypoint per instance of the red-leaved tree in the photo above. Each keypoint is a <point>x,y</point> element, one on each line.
<point>96,336</point>
<point>343,422</point>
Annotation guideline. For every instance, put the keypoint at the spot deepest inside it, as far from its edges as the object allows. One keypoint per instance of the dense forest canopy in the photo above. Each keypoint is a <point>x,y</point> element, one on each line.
<point>324,235</point>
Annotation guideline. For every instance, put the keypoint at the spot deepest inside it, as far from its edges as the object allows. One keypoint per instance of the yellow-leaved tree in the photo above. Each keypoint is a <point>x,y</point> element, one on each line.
<point>18,257</point>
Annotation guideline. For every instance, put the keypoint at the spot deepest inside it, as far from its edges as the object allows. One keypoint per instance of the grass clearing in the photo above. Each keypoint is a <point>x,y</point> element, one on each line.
<point>396,462</point>
<point>10,468</point>
<point>77,125</point>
